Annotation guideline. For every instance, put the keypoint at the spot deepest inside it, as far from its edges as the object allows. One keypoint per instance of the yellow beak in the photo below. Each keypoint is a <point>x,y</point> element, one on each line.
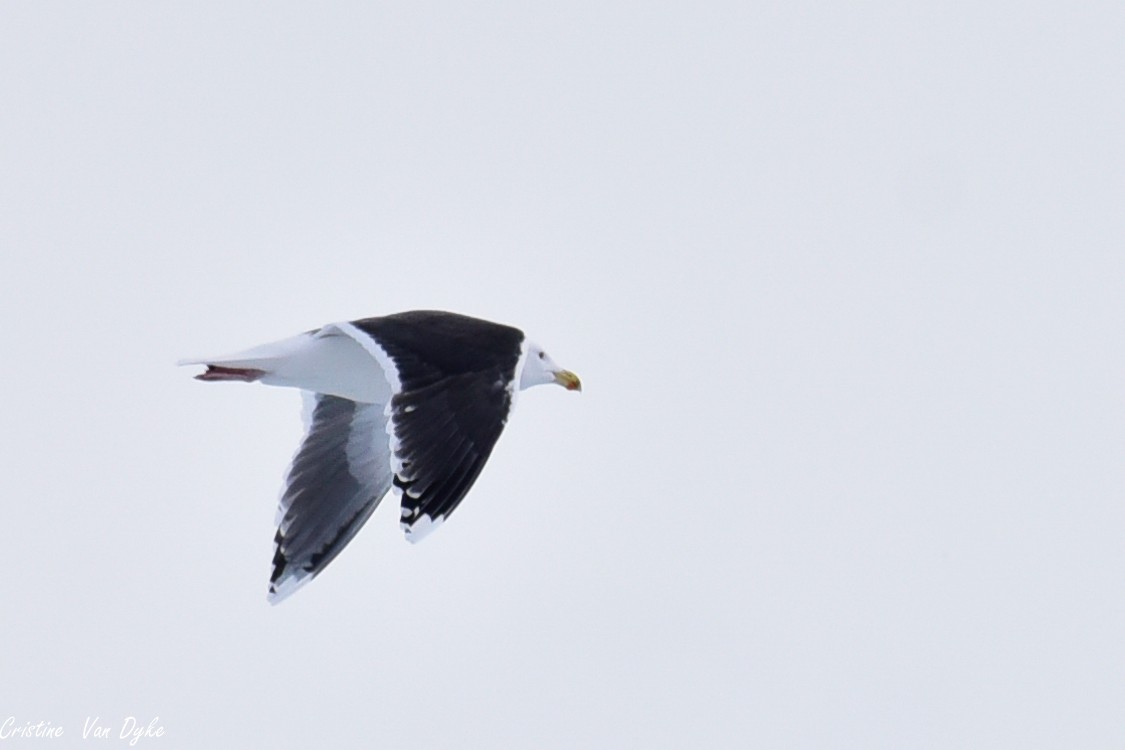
<point>568,380</point>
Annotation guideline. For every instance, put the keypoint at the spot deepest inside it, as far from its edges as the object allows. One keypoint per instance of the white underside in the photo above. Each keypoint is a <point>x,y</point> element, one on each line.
<point>336,360</point>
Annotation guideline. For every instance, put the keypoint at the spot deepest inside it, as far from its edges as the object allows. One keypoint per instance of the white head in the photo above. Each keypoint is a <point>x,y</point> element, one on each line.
<point>539,368</point>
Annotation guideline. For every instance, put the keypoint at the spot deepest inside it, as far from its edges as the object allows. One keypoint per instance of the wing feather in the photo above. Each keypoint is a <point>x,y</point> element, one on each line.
<point>340,473</point>
<point>444,433</point>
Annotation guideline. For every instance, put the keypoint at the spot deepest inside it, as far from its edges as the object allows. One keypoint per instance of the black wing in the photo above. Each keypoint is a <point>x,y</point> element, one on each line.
<point>444,433</point>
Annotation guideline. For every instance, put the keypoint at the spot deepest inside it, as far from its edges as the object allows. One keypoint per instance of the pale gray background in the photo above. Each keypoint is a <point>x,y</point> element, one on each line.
<point>844,283</point>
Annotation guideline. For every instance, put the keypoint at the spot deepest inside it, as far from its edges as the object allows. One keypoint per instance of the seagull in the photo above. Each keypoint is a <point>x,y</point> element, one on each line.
<point>413,401</point>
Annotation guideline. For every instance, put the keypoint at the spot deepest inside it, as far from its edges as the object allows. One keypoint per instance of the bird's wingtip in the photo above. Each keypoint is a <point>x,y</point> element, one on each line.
<point>421,528</point>
<point>282,589</point>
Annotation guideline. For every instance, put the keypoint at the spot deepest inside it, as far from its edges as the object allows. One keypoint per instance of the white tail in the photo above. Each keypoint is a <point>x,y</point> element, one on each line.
<point>323,361</point>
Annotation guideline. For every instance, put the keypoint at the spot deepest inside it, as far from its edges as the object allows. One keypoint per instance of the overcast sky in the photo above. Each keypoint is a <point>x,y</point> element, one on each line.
<point>844,284</point>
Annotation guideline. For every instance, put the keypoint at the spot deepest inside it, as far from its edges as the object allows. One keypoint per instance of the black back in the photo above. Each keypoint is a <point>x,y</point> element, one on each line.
<point>428,345</point>
<point>456,376</point>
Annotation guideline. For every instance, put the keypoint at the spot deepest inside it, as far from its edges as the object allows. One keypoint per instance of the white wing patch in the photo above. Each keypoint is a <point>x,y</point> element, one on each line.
<point>422,528</point>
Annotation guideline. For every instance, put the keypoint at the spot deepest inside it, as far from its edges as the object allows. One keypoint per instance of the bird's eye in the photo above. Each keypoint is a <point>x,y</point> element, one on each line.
<point>542,355</point>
